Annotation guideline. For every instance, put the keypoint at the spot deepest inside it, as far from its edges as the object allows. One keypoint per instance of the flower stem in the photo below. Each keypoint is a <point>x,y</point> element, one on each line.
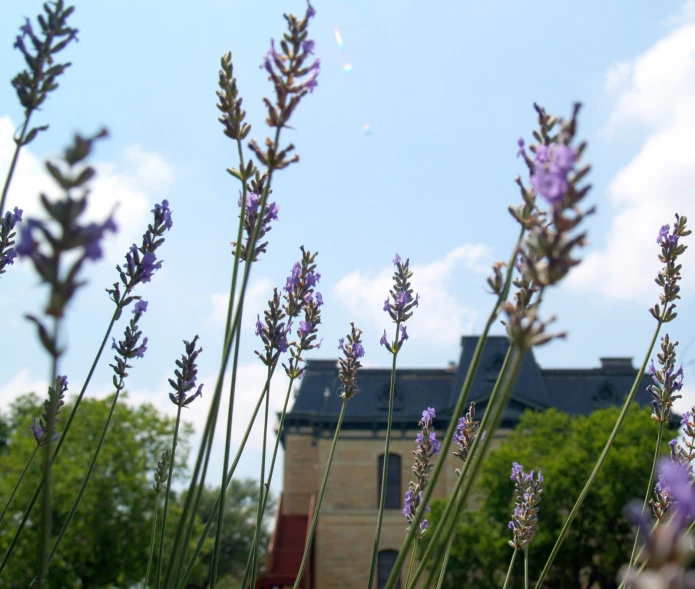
<point>228,479</point>
<point>458,410</point>
<point>307,547</point>
<point>154,533</point>
<point>19,482</point>
<point>61,440</point>
<point>385,469</point>
<point>657,451</point>
<point>509,571</point>
<point>451,512</point>
<point>270,474</point>
<point>525,566</point>
<point>449,543</point>
<point>412,560</point>
<point>225,465</point>
<point>262,491</point>
<point>13,163</point>
<point>166,498</point>
<point>86,479</point>
<point>601,460</point>
<point>46,506</point>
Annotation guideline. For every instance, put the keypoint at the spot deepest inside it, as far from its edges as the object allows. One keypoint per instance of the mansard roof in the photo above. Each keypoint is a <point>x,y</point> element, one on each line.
<point>574,391</point>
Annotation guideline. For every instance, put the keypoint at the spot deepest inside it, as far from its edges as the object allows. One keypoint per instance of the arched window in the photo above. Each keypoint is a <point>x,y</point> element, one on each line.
<point>387,558</point>
<point>393,482</point>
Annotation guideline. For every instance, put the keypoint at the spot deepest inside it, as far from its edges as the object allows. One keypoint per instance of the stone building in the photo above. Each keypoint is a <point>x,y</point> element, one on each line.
<point>343,542</point>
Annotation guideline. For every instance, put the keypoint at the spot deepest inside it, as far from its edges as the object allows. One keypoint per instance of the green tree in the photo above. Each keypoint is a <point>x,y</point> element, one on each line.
<point>565,449</point>
<point>108,542</point>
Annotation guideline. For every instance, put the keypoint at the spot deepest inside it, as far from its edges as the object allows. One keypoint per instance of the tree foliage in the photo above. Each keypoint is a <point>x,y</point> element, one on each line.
<point>108,542</point>
<point>565,449</point>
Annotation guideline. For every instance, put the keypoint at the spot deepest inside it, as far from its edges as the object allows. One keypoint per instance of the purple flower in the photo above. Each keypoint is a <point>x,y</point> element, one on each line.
<point>428,415</point>
<point>396,260</point>
<point>341,344</point>
<point>293,278</point>
<point>677,479</point>
<point>308,46</point>
<point>387,306</point>
<point>404,333</point>
<point>162,214</point>
<point>528,491</point>
<point>357,350</point>
<point>310,12</point>
<point>305,328</point>
<point>139,352</point>
<point>140,307</point>
<point>319,299</point>
<point>520,143</point>
<point>383,341</point>
<point>551,166</point>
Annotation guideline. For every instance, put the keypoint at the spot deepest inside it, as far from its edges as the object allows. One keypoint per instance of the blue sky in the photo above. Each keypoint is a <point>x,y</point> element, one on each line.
<point>446,92</point>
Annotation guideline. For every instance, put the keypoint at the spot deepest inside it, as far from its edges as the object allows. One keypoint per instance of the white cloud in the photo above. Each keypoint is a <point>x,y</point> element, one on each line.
<point>21,383</point>
<point>660,179</point>
<point>441,318</point>
<point>131,185</point>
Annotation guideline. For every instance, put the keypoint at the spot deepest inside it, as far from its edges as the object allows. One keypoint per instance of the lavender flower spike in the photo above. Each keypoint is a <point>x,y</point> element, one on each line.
<point>667,381</point>
<point>186,375</point>
<point>400,303</point>
<point>7,225</point>
<point>427,447</point>
<point>56,399</point>
<point>350,362</point>
<point>528,491</point>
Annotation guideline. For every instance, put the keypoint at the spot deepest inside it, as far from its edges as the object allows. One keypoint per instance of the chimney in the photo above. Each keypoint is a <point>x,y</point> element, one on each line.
<point>617,365</point>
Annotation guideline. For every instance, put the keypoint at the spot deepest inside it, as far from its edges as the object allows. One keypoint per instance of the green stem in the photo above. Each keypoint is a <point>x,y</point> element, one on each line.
<point>13,163</point>
<point>449,543</point>
<point>385,469</point>
<point>270,473</point>
<point>657,451</point>
<point>317,509</point>
<point>85,482</point>
<point>228,479</point>
<point>412,560</point>
<point>46,506</point>
<point>451,512</point>
<point>154,533</point>
<point>458,410</point>
<point>61,441</point>
<point>509,571</point>
<point>227,453</point>
<point>601,460</point>
<point>525,566</point>
<point>166,498</point>
<point>179,550</point>
<point>19,482</point>
<point>262,492</point>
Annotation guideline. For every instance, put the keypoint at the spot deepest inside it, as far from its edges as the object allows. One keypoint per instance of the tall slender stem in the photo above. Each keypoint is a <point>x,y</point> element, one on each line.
<point>317,509</point>
<point>657,451</point>
<point>270,474</point>
<point>509,570</point>
<point>412,560</point>
<point>458,410</point>
<point>227,453</point>
<point>449,543</point>
<point>154,533</point>
<point>526,566</point>
<point>166,498</point>
<point>85,482</point>
<point>46,507</point>
<point>262,491</point>
<point>19,482</point>
<point>496,404</point>
<point>61,441</point>
<point>228,479</point>
<point>385,464</point>
<point>10,172</point>
<point>601,460</point>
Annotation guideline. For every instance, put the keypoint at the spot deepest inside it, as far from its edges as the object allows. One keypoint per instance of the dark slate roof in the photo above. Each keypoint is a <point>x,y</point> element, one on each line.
<point>574,391</point>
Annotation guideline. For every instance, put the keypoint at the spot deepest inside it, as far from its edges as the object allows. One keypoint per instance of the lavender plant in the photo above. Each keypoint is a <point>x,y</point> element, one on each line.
<point>7,235</point>
<point>427,448</point>
<point>161,479</point>
<point>399,305</point>
<point>349,364</point>
<point>524,523</point>
<point>668,279</point>
<point>186,375</point>
<point>34,84</point>
<point>293,77</point>
<point>670,550</point>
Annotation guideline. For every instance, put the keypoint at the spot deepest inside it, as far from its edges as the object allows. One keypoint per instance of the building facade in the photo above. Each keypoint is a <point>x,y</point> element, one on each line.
<point>343,542</point>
